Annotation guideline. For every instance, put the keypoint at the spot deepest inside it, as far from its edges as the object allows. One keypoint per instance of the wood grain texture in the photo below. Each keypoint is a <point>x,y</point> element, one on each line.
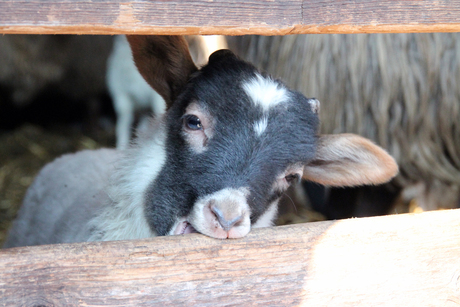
<point>230,17</point>
<point>404,260</point>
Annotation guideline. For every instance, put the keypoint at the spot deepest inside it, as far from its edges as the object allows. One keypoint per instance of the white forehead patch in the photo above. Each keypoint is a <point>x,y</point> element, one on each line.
<point>265,92</point>
<point>260,126</point>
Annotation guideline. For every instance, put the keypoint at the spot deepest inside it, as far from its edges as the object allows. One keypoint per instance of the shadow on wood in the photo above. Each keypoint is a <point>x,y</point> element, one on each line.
<point>397,260</point>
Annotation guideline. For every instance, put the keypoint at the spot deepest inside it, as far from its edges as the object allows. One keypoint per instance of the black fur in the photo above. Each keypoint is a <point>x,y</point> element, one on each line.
<point>235,156</point>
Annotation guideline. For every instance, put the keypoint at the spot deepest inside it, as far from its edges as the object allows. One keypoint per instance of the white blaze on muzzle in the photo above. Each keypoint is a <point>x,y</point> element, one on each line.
<point>222,214</point>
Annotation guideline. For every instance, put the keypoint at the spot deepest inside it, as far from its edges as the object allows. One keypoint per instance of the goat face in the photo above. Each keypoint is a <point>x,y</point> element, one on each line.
<point>235,140</point>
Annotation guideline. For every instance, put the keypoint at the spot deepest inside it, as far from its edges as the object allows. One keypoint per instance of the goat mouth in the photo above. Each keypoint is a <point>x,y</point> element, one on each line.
<point>184,228</point>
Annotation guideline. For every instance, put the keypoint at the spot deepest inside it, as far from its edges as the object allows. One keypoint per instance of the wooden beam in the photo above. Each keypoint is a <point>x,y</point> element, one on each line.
<point>229,17</point>
<point>399,260</point>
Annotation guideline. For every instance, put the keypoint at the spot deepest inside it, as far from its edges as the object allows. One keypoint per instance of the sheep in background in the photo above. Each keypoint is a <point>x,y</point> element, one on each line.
<point>400,90</point>
<point>130,92</point>
<point>217,162</point>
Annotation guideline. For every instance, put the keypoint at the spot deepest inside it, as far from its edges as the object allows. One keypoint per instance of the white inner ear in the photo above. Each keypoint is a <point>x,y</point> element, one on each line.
<point>350,160</point>
<point>198,139</point>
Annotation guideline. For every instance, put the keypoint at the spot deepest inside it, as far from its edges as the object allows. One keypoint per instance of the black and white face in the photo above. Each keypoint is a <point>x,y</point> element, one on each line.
<point>236,140</point>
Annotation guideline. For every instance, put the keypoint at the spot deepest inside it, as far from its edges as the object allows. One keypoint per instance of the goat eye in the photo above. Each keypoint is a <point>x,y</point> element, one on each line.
<point>292,178</point>
<point>192,122</point>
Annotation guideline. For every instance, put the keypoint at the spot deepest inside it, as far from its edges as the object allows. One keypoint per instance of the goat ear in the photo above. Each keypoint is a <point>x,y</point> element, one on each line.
<point>349,160</point>
<point>164,62</point>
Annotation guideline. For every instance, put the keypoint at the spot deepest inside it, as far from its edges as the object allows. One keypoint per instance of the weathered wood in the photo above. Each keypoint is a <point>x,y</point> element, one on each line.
<point>404,260</point>
<point>230,17</point>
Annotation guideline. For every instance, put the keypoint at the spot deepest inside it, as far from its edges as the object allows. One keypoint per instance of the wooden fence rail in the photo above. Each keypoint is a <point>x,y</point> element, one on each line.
<point>399,260</point>
<point>230,17</point>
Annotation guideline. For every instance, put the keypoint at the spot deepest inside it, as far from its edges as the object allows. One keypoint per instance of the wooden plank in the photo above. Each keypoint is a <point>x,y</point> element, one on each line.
<point>229,17</point>
<point>400,260</point>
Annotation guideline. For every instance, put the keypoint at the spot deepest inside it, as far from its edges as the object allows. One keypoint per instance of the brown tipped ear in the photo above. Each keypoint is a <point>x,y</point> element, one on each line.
<point>349,160</point>
<point>164,62</point>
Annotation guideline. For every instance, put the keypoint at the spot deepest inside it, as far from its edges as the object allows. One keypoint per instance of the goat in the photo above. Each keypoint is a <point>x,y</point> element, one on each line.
<point>232,140</point>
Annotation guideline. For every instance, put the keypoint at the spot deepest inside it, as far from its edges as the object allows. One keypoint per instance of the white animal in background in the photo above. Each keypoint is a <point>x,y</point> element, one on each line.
<point>128,90</point>
<point>231,142</point>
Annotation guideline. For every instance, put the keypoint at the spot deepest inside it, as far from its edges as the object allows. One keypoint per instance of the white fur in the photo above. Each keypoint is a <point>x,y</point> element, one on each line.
<point>266,219</point>
<point>129,90</point>
<point>125,218</point>
<point>265,92</point>
<point>260,126</point>
<point>315,105</point>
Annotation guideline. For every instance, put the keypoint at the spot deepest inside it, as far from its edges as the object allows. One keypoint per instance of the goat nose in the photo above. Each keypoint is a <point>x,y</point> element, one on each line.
<point>226,224</point>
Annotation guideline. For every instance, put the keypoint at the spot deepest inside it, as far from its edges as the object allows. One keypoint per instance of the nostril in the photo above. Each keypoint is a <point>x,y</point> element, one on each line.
<point>226,224</point>
<point>216,211</point>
